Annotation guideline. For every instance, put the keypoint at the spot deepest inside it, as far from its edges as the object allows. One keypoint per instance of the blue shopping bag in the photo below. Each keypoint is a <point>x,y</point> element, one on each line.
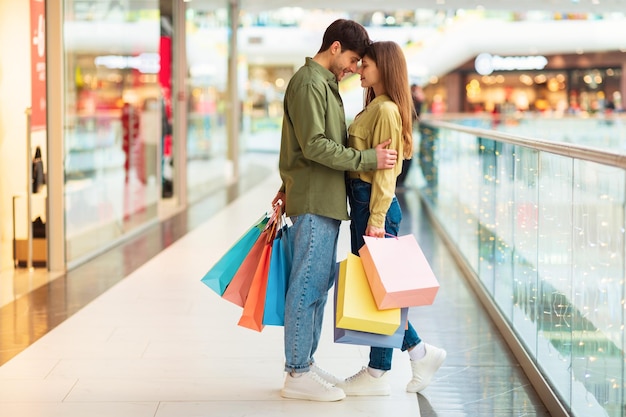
<point>278,279</point>
<point>220,275</point>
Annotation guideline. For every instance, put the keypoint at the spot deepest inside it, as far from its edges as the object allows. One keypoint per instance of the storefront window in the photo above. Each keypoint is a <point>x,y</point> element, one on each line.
<point>586,91</point>
<point>596,90</point>
<point>112,120</point>
<point>207,55</point>
<point>263,112</point>
<point>507,93</point>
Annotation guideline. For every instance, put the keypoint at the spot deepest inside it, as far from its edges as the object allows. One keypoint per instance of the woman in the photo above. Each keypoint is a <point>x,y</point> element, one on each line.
<point>374,209</point>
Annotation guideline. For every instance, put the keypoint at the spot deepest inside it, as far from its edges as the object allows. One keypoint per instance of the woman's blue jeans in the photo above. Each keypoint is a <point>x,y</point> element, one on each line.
<point>312,275</point>
<point>359,193</point>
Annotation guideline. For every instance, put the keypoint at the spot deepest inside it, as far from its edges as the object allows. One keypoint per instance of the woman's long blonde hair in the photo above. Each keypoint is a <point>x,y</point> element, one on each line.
<point>394,74</point>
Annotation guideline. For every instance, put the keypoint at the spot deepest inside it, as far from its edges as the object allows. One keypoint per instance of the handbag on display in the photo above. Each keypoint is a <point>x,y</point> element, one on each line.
<point>222,273</point>
<point>355,306</point>
<point>398,273</point>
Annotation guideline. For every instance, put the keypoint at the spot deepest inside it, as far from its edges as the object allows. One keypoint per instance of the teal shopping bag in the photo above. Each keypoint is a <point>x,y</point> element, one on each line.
<point>278,279</point>
<point>220,275</point>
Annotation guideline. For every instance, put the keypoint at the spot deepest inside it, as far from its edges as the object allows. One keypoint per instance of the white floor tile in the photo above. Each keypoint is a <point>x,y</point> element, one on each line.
<point>24,369</point>
<point>348,407</point>
<point>34,390</point>
<point>66,409</point>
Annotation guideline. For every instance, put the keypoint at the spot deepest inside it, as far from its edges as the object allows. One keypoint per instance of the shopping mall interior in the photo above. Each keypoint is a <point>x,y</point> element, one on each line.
<point>144,140</point>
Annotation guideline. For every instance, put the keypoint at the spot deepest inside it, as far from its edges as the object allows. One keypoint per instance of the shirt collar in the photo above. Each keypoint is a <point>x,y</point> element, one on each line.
<point>330,77</point>
<point>382,97</point>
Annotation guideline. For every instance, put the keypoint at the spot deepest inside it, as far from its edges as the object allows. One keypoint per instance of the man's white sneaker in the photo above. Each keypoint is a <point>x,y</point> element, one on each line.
<point>362,383</point>
<point>325,374</point>
<point>310,386</point>
<point>425,368</point>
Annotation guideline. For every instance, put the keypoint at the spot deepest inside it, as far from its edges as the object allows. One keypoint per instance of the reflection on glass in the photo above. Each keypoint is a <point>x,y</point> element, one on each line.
<point>597,300</point>
<point>208,166</point>
<point>112,120</point>
<point>504,224</point>
<point>545,236</point>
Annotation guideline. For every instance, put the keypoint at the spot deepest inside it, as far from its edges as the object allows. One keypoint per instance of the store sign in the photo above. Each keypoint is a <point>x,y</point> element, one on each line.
<point>38,64</point>
<point>147,63</point>
<point>486,63</point>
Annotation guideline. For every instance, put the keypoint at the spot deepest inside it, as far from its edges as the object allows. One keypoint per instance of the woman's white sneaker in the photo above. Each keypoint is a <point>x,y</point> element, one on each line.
<point>425,368</point>
<point>362,383</point>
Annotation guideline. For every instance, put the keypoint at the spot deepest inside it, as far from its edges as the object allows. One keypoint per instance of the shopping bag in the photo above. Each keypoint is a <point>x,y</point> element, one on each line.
<point>398,272</point>
<point>356,308</point>
<point>237,290</point>
<point>355,337</point>
<point>277,279</point>
<point>221,274</point>
<point>252,315</point>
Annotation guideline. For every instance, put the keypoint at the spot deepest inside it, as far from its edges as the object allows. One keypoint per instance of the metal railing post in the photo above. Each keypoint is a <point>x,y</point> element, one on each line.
<point>29,191</point>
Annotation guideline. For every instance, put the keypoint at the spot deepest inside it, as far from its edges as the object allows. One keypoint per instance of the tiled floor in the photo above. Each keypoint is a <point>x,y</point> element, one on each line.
<point>126,338</point>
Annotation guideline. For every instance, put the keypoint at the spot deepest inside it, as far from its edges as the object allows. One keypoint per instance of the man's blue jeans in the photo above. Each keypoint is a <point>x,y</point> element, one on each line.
<point>359,193</point>
<point>312,275</point>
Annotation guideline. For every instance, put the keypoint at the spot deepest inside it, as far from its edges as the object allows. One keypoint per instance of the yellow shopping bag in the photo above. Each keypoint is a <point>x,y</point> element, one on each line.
<point>356,308</point>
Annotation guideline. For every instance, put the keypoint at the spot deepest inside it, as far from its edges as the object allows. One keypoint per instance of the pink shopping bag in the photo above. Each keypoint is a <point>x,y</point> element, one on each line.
<point>398,272</point>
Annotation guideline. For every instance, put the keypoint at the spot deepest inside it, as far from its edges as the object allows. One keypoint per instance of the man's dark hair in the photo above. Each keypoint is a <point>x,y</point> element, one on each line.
<point>351,35</point>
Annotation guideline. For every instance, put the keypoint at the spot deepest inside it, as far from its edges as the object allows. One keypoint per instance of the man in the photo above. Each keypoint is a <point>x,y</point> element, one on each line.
<point>313,161</point>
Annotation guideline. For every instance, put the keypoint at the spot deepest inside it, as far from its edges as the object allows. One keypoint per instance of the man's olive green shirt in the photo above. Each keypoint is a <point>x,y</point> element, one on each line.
<point>313,152</point>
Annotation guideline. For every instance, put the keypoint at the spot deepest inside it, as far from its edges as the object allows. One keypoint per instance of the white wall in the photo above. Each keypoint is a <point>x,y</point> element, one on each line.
<point>15,97</point>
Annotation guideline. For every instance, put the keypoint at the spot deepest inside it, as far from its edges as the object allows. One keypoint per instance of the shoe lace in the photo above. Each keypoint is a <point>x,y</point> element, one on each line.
<point>357,375</point>
<point>324,374</point>
<point>327,385</point>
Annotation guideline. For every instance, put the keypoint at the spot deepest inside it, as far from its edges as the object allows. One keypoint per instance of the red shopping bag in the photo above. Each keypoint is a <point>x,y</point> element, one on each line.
<point>237,290</point>
<point>398,272</point>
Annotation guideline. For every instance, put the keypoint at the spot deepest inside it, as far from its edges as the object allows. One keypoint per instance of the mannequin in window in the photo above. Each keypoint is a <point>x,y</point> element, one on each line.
<point>38,176</point>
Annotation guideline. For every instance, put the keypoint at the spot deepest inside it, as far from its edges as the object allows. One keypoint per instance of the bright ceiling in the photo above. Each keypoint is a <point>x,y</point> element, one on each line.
<point>564,6</point>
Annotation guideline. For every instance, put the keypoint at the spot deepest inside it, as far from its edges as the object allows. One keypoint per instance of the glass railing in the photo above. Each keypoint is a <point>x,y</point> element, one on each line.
<point>600,130</point>
<point>539,227</point>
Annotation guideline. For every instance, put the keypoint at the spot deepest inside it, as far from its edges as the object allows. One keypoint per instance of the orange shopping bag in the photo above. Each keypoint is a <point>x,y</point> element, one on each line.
<point>398,272</point>
<point>252,316</point>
